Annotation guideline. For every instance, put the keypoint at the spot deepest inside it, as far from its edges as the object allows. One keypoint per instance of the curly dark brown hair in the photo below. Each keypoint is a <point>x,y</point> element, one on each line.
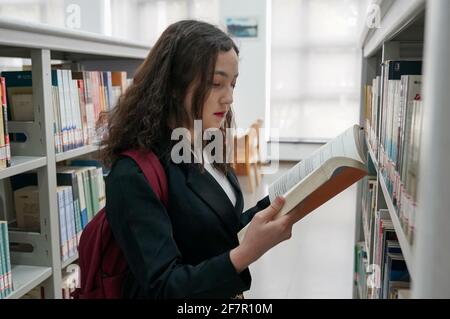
<point>185,55</point>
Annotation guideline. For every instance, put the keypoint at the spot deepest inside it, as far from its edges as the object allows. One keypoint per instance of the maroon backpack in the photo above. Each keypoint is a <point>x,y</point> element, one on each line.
<point>102,264</point>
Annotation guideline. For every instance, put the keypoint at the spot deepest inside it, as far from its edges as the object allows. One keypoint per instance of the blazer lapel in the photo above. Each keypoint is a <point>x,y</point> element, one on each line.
<point>207,188</point>
<point>237,190</point>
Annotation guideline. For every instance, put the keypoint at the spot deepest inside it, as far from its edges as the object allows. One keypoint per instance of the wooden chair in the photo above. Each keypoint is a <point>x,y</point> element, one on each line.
<point>247,154</point>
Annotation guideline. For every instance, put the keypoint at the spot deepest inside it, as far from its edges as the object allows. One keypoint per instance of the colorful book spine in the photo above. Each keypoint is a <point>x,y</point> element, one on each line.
<point>5,123</point>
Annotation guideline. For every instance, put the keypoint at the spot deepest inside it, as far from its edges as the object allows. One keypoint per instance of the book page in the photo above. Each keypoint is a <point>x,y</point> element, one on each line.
<point>345,145</point>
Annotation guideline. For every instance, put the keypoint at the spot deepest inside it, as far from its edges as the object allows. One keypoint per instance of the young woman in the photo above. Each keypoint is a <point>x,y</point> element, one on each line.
<point>189,249</point>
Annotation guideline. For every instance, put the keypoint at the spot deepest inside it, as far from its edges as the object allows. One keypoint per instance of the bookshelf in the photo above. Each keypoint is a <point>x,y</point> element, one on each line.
<point>86,51</point>
<point>80,151</point>
<point>26,278</point>
<point>21,164</point>
<point>402,239</point>
<point>416,29</point>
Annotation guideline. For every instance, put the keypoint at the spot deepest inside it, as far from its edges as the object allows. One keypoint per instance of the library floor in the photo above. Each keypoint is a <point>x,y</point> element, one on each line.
<point>317,262</point>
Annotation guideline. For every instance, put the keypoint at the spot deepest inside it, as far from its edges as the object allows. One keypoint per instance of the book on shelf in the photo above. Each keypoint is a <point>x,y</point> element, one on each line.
<point>361,273</point>
<point>369,192</point>
<point>396,131</point>
<point>68,177</point>
<point>318,178</point>
<point>78,99</point>
<point>396,273</point>
<point>5,147</point>
<point>80,195</point>
<point>63,223</point>
<point>19,95</point>
<point>6,283</point>
<point>388,271</point>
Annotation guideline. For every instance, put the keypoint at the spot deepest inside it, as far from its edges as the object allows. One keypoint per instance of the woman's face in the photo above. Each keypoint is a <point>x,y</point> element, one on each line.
<point>220,98</point>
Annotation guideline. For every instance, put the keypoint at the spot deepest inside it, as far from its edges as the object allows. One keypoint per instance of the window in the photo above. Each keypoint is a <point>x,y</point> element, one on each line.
<point>315,68</point>
<point>156,15</point>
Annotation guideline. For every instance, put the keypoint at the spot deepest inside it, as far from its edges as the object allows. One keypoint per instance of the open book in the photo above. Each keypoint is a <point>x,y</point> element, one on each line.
<point>318,178</point>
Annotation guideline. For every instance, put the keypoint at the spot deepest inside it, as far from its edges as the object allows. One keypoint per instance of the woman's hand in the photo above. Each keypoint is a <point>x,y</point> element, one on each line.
<point>263,233</point>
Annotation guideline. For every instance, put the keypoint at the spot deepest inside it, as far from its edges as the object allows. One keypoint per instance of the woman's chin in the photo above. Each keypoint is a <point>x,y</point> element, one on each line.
<point>215,126</point>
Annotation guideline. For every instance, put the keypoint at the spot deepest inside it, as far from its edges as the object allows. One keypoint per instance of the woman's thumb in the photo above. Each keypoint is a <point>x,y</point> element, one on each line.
<point>275,207</point>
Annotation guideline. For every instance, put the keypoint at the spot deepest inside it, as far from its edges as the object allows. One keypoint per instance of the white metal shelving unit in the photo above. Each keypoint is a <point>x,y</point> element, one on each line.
<point>88,51</point>
<point>21,164</point>
<point>402,239</point>
<point>26,278</point>
<point>76,152</point>
<point>412,29</point>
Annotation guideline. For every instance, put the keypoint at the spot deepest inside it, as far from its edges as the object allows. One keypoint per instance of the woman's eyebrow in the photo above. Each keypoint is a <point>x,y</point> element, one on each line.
<point>225,74</point>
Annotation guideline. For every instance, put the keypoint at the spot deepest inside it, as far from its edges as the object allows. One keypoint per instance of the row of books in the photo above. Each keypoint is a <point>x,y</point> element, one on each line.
<point>368,202</point>
<point>380,268</point>
<point>5,148</point>
<point>6,284</point>
<point>78,99</point>
<point>361,277</point>
<point>80,196</point>
<point>393,127</point>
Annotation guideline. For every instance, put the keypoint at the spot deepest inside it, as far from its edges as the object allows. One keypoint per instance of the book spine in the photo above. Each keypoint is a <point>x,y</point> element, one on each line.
<point>3,280</point>
<point>93,180</point>
<point>76,206</point>
<point>68,110</point>
<point>101,188</point>
<point>70,222</point>
<point>81,92</point>
<point>5,123</point>
<point>77,113</point>
<point>7,258</point>
<point>62,111</point>
<point>2,137</point>
<point>62,225</point>
<point>88,195</point>
<point>81,196</point>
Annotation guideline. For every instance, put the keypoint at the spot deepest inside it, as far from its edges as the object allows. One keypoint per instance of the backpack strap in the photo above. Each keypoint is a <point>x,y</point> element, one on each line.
<point>153,172</point>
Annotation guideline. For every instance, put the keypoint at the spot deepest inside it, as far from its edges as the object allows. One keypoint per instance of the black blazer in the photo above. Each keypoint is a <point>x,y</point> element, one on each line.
<point>181,252</point>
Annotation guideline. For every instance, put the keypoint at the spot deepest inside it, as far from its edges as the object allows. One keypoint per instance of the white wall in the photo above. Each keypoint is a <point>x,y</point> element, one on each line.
<point>250,92</point>
<point>91,15</point>
<point>296,151</point>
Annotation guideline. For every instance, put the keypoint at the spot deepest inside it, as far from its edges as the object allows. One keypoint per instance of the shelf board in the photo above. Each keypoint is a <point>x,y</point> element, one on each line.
<point>17,35</point>
<point>26,278</point>
<point>407,249</point>
<point>21,164</point>
<point>399,15</point>
<point>76,152</point>
<point>69,261</point>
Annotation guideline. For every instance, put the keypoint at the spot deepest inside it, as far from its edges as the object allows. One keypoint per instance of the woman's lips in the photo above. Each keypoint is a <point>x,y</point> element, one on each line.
<point>220,114</point>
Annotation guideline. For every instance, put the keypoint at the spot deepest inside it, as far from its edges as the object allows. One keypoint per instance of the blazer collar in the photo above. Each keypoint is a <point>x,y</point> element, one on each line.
<point>206,187</point>
<point>237,188</point>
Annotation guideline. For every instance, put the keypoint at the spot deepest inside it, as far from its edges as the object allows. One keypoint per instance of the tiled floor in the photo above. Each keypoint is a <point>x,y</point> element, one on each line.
<point>317,262</point>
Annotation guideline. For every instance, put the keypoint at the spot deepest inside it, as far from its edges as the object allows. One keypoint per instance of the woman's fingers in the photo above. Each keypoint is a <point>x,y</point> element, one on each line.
<point>270,212</point>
